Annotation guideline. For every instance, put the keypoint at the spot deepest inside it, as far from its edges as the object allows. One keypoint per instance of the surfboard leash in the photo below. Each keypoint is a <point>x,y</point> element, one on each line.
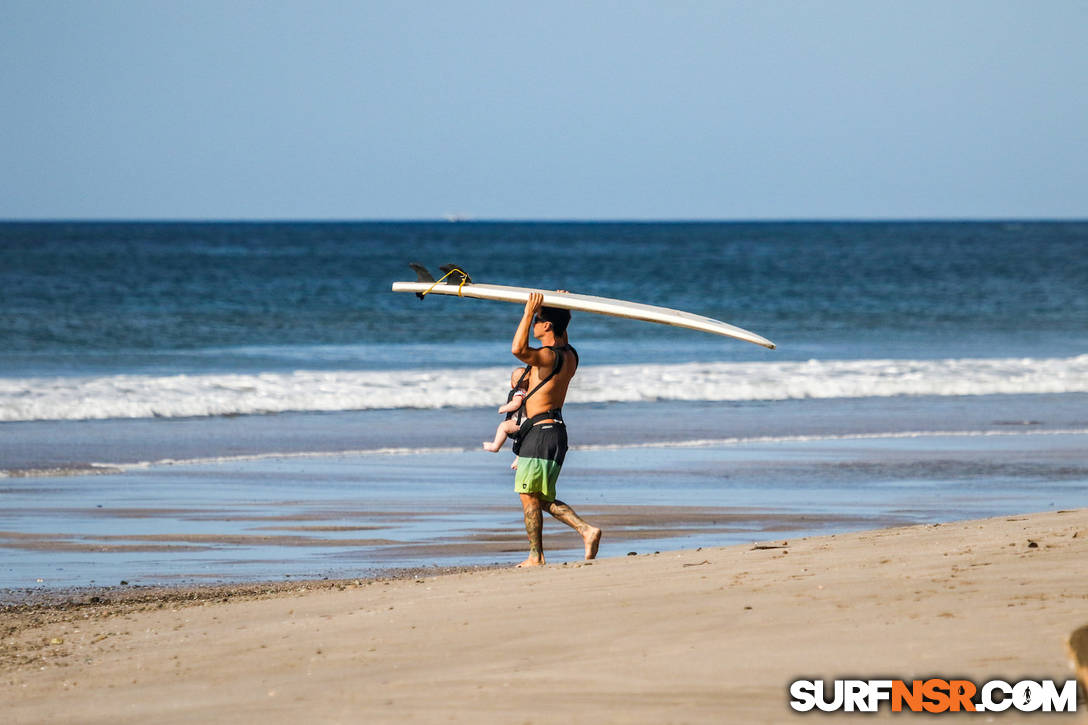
<point>464,281</point>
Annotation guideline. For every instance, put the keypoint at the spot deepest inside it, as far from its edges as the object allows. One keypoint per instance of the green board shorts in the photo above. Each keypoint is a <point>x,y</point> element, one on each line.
<point>540,459</point>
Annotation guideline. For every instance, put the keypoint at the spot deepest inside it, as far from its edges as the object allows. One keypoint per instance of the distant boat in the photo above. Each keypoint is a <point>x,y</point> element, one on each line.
<point>458,218</point>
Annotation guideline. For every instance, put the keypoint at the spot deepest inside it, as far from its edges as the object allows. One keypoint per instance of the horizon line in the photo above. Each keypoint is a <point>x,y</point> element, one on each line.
<point>543,220</point>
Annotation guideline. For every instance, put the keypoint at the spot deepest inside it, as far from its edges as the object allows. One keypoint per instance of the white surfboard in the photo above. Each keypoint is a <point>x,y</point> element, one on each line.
<point>588,303</point>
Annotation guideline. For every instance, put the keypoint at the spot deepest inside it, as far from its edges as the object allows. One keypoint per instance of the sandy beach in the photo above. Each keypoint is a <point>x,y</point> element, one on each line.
<point>708,635</point>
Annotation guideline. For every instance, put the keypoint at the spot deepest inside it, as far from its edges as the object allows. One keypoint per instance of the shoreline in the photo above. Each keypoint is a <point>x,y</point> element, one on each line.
<point>134,597</point>
<point>345,517</point>
<point>721,631</point>
<point>30,449</point>
<point>645,528</point>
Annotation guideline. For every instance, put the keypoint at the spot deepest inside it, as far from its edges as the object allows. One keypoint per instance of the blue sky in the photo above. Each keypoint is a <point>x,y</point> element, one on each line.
<point>555,110</point>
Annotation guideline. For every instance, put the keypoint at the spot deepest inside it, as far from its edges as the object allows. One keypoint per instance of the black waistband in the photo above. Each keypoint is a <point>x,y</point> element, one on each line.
<point>555,414</point>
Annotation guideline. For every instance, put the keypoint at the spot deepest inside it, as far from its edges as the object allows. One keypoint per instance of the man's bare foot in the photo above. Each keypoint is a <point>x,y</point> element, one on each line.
<point>489,446</point>
<point>530,562</point>
<point>592,537</point>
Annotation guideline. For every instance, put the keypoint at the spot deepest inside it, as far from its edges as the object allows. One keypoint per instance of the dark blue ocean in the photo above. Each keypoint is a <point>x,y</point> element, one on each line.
<point>217,373</point>
<point>181,297</point>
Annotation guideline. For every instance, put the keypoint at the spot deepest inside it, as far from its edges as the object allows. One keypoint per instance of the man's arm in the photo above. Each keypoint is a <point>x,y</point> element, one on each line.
<point>536,357</point>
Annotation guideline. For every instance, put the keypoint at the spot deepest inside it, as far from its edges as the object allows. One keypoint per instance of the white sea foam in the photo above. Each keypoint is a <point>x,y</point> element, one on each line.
<point>108,468</point>
<point>292,455</point>
<point>897,435</point>
<point>144,396</point>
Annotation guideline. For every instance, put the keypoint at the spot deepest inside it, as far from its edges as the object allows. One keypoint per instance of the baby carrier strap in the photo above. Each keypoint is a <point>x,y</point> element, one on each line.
<point>555,413</point>
<point>524,377</point>
<point>514,391</point>
<point>556,367</point>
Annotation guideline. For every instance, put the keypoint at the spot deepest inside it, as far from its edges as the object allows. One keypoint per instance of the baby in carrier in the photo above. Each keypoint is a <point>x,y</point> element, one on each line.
<point>519,385</point>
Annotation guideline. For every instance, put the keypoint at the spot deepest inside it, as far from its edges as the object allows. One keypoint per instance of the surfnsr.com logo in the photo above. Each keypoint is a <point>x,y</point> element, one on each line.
<point>933,695</point>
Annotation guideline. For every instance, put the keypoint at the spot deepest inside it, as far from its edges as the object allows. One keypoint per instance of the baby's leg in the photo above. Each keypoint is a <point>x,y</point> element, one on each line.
<point>501,434</point>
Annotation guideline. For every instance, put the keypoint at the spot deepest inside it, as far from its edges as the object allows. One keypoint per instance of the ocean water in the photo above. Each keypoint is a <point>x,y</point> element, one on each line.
<point>182,357</point>
<point>181,320</point>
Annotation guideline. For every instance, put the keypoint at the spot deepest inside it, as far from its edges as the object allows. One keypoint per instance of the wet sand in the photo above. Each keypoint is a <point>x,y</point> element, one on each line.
<point>347,516</point>
<point>707,635</point>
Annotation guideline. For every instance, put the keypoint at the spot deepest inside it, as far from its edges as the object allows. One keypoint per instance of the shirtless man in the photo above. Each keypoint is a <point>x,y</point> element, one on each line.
<point>543,443</point>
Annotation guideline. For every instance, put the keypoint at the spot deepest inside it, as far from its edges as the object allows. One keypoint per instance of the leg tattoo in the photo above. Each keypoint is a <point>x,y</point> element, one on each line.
<point>534,524</point>
<point>591,535</point>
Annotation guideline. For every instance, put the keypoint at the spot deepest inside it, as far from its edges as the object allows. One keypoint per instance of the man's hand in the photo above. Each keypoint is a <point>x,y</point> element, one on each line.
<point>534,303</point>
<point>520,347</point>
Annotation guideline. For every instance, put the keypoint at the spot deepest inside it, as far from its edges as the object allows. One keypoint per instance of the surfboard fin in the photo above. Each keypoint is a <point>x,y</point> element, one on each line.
<point>422,275</point>
<point>456,273</point>
<point>421,272</point>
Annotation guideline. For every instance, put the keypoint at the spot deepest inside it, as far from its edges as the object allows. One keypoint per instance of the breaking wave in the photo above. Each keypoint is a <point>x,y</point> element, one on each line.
<point>181,396</point>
